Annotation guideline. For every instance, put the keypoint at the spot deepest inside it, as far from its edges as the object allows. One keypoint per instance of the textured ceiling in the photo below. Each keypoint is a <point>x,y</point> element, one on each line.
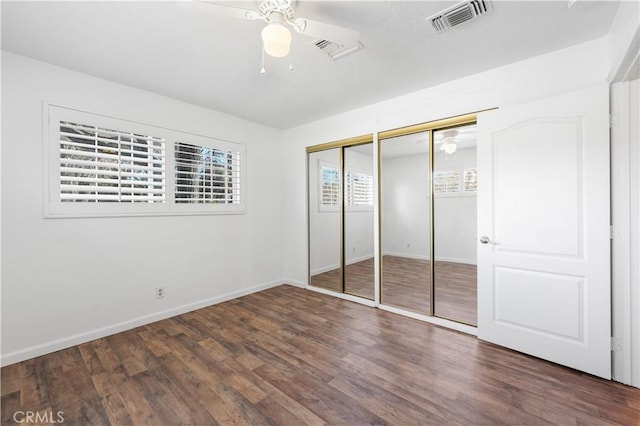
<point>214,61</point>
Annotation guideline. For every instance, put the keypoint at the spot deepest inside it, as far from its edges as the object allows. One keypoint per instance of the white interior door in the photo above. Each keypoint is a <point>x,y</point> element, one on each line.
<point>543,224</point>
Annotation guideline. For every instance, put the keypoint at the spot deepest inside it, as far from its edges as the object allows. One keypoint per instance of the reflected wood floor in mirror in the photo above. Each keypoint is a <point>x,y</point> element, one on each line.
<point>406,285</point>
<point>359,279</point>
<point>289,356</point>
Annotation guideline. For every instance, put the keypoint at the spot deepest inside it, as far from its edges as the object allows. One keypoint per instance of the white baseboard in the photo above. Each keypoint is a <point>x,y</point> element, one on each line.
<point>407,255</point>
<point>337,265</point>
<point>426,257</point>
<point>360,259</point>
<point>77,339</point>
<point>324,269</point>
<point>456,260</point>
<point>294,283</point>
<point>344,296</point>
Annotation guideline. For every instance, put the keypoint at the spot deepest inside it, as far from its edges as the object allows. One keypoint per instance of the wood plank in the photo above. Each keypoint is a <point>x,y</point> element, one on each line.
<point>291,356</point>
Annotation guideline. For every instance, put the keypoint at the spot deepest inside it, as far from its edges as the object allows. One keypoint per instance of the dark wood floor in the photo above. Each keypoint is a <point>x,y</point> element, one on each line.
<point>406,285</point>
<point>291,356</point>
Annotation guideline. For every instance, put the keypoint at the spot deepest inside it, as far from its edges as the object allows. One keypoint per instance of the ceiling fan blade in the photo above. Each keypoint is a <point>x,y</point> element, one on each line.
<point>205,7</point>
<point>334,33</point>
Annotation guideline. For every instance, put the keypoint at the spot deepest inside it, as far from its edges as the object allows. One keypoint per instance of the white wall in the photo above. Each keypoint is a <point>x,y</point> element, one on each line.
<point>405,205</point>
<point>405,209</point>
<point>65,281</point>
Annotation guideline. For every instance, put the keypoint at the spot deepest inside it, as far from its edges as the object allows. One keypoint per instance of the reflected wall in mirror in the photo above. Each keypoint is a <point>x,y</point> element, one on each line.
<point>404,182</point>
<point>358,221</point>
<point>455,222</point>
<point>325,201</point>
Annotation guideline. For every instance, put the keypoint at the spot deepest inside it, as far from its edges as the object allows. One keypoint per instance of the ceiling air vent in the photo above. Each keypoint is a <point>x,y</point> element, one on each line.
<point>459,13</point>
<point>335,50</point>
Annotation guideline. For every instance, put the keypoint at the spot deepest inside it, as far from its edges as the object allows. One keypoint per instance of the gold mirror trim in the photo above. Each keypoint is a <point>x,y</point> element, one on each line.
<point>423,127</point>
<point>432,228</point>
<point>358,140</point>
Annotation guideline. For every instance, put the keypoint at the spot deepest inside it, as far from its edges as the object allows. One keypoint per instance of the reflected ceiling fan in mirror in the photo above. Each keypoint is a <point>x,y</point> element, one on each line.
<point>450,140</point>
<point>279,15</point>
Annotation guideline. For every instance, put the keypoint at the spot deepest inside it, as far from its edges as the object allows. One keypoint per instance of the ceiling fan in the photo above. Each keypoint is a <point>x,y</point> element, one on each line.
<point>450,139</point>
<point>278,14</point>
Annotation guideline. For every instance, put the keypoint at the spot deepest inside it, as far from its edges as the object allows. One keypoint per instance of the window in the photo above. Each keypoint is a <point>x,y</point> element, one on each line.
<point>359,189</point>
<point>329,187</point>
<point>455,182</point>
<point>206,175</point>
<point>106,165</point>
<point>103,166</point>
<point>470,180</point>
<point>446,181</point>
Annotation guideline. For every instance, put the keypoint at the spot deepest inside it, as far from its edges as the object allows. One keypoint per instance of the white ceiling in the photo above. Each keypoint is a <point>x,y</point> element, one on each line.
<point>214,61</point>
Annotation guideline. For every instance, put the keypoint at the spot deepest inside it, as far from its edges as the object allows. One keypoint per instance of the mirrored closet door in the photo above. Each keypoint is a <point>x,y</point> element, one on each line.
<point>405,222</point>
<point>428,183</point>
<point>455,182</point>
<point>340,194</point>
<point>325,201</point>
<point>358,221</point>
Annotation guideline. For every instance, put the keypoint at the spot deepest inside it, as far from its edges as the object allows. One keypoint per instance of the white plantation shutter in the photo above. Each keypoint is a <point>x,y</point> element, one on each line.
<point>446,181</point>
<point>205,174</point>
<point>360,188</point>
<point>471,180</point>
<point>453,182</point>
<point>330,191</point>
<point>107,165</point>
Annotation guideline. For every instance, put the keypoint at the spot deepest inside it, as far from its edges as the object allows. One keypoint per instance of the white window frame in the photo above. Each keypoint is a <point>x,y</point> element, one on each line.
<point>54,207</point>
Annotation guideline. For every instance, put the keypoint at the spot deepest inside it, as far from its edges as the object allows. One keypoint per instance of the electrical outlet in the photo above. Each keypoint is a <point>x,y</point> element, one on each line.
<point>159,292</point>
<point>353,249</point>
<point>408,245</point>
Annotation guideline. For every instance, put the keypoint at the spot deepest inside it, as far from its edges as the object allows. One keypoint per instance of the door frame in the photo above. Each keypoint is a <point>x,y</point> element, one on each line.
<point>625,166</point>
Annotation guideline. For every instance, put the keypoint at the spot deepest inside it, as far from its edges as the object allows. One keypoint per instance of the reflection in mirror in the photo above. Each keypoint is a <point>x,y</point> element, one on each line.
<point>404,180</point>
<point>455,212</point>
<point>324,219</point>
<point>358,220</point>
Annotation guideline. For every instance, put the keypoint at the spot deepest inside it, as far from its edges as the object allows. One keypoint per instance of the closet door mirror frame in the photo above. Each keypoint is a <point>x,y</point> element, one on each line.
<point>341,145</point>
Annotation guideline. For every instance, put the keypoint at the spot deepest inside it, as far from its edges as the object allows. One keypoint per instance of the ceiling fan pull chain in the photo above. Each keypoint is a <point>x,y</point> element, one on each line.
<point>262,70</point>
<point>291,62</point>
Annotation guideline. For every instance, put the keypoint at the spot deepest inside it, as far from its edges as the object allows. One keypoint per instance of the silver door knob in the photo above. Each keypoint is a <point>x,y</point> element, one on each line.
<point>485,240</point>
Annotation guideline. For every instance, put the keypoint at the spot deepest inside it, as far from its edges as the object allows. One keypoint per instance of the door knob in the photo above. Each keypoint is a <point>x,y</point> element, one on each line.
<point>485,240</point>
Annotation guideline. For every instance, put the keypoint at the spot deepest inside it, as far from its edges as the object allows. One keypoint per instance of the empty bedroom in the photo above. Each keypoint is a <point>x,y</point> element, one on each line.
<point>288,212</point>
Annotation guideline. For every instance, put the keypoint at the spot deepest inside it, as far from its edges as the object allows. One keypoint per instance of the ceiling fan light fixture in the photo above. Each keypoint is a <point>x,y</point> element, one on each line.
<point>449,146</point>
<point>276,39</point>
